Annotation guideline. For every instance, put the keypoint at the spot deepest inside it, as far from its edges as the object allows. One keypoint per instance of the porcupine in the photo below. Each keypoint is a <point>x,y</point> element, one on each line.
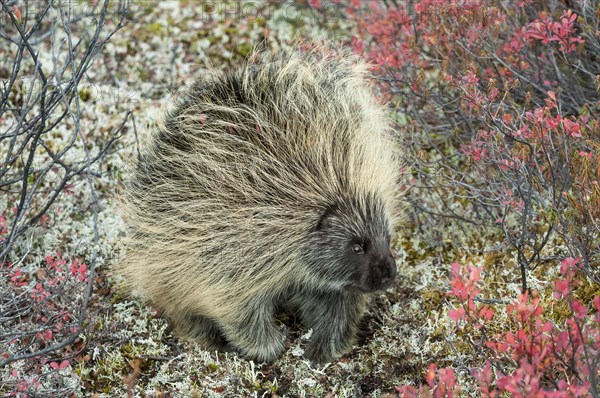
<point>270,187</point>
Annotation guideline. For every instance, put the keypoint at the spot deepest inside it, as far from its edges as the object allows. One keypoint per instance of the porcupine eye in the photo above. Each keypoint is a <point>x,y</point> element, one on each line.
<point>357,249</point>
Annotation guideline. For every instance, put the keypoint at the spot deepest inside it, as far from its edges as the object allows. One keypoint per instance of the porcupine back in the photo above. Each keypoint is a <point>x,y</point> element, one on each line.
<point>242,168</point>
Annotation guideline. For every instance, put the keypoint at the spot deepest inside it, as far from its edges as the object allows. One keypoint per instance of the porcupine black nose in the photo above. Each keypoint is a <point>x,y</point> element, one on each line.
<point>388,270</point>
<point>380,273</point>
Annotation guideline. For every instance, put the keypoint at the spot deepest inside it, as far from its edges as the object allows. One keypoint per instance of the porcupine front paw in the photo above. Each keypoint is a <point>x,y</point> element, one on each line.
<point>261,343</point>
<point>334,319</point>
<point>204,331</point>
<point>254,332</point>
<point>323,349</point>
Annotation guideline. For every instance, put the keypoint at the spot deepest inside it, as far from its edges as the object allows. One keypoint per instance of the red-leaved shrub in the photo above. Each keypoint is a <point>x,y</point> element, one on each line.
<point>534,356</point>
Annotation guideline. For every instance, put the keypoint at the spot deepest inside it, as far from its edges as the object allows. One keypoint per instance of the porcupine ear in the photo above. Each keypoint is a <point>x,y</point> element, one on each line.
<point>325,219</point>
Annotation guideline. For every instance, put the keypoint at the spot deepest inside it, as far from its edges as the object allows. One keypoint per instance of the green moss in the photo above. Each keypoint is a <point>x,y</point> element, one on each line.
<point>560,312</point>
<point>127,349</point>
<point>131,49</point>
<point>244,49</point>
<point>543,270</point>
<point>439,334</point>
<point>208,8</point>
<point>143,73</point>
<point>212,367</point>
<point>432,300</point>
<point>493,259</point>
<point>104,374</point>
<point>462,344</point>
<point>154,28</point>
<point>414,255</point>
<point>586,291</point>
<point>85,94</point>
<point>119,294</point>
<point>147,32</point>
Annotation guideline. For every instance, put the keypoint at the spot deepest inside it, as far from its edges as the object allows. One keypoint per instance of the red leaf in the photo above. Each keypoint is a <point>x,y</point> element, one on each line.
<point>457,314</point>
<point>16,12</point>
<point>579,310</point>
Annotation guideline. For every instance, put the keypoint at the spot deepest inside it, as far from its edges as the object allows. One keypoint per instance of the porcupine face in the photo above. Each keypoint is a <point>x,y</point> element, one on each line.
<point>351,249</point>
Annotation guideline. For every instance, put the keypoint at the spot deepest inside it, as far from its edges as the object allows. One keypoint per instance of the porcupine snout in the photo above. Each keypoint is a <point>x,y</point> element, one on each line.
<point>380,272</point>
